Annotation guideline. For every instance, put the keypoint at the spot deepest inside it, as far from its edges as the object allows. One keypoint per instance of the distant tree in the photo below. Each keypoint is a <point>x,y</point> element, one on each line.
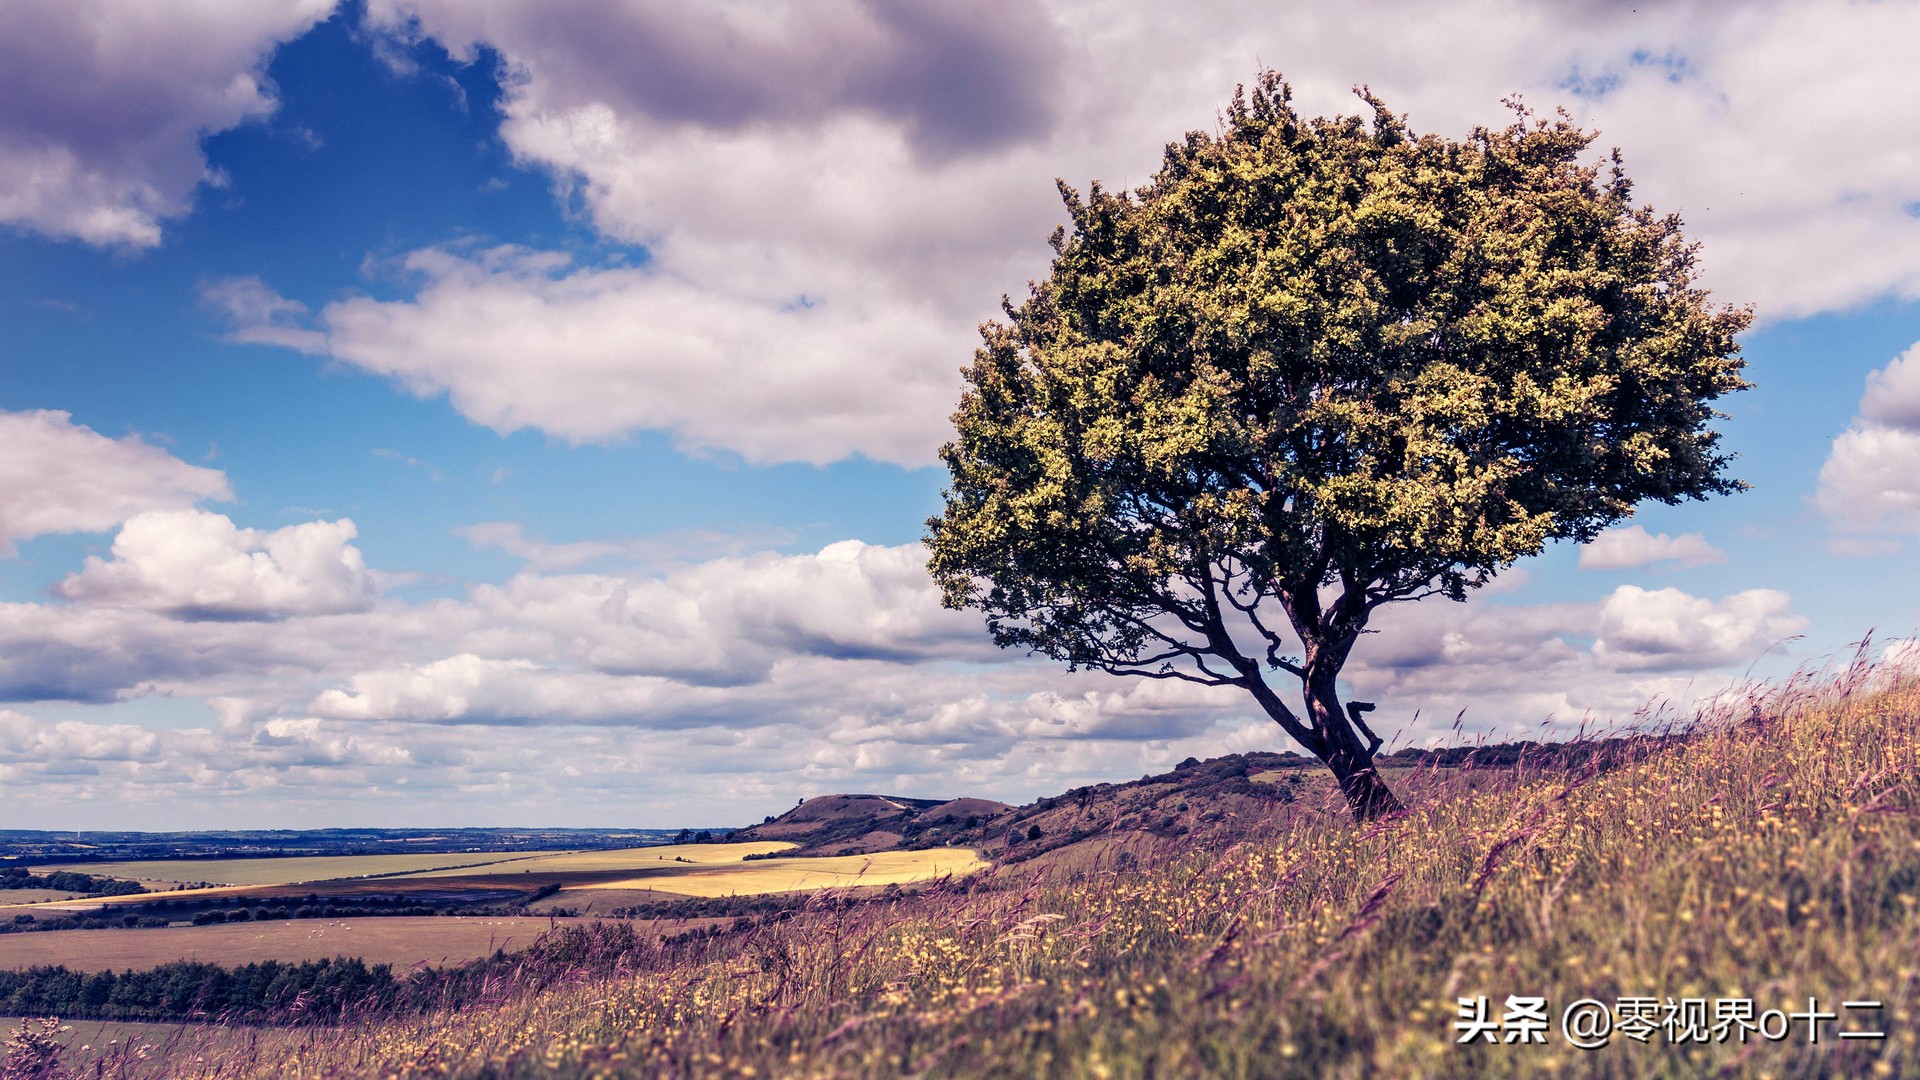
<point>1323,366</point>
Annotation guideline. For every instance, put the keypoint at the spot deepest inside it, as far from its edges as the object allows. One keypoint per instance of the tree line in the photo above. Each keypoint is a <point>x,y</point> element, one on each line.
<point>266,991</point>
<point>19,877</point>
<point>326,991</point>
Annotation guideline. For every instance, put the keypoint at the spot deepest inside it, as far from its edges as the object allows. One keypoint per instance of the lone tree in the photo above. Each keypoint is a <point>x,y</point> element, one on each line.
<point>1322,366</point>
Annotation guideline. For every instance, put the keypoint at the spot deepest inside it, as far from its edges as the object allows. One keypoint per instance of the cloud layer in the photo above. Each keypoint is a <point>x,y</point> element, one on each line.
<point>831,203</point>
<point>838,668</point>
<point>831,196</point>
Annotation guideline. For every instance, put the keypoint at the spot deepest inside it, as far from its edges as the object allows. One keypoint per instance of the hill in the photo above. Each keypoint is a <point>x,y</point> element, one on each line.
<point>860,824</point>
<point>1103,821</point>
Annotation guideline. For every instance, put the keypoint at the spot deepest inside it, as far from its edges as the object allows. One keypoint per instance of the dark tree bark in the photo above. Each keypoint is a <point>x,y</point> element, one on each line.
<point>1334,734</point>
<point>1341,748</point>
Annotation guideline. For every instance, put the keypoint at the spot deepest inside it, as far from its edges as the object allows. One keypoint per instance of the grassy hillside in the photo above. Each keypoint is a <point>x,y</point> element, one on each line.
<point>1775,857</point>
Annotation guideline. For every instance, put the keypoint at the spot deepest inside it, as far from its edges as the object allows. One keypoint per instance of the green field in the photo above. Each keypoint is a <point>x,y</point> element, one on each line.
<point>32,896</point>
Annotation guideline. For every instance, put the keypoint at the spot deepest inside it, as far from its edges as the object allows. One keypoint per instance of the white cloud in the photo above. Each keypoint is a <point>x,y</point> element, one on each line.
<point>261,316</point>
<point>730,621</point>
<point>25,739</point>
<point>517,339</point>
<point>1870,482</point>
<point>1504,664</point>
<point>1902,653</point>
<point>198,565</point>
<point>1665,629</point>
<point>1633,546</point>
<point>103,105</point>
<point>57,476</point>
<point>1893,393</point>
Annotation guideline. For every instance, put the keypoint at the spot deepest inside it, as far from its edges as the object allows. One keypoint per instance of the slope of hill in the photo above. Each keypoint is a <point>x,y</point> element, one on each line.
<point>1104,821</point>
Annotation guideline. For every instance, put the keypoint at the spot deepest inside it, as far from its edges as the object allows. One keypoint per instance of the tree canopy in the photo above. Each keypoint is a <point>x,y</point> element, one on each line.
<point>1311,368</point>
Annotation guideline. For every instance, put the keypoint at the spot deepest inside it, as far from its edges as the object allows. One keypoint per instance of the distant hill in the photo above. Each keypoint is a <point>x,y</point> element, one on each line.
<point>1153,806</point>
<point>859,824</point>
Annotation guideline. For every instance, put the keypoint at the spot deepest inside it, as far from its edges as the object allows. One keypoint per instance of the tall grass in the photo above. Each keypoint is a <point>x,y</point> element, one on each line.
<point>1774,854</point>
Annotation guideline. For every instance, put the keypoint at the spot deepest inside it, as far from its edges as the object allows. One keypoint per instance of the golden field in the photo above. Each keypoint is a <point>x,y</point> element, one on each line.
<point>803,874</point>
<point>623,859</point>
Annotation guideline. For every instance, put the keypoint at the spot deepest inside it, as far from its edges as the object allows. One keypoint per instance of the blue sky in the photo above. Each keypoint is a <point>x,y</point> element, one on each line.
<point>511,413</point>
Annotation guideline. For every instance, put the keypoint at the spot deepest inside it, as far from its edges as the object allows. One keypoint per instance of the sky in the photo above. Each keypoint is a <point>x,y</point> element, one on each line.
<point>500,412</point>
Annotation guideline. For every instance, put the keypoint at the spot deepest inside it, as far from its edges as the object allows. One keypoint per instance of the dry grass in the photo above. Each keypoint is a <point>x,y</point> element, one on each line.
<point>1776,856</point>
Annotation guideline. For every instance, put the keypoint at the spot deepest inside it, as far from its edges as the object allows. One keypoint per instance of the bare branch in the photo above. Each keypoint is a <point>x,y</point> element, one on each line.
<point>1209,679</point>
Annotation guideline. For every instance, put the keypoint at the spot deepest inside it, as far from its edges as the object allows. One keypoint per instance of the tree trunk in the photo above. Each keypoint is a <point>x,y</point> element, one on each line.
<point>1343,751</point>
<point>1367,795</point>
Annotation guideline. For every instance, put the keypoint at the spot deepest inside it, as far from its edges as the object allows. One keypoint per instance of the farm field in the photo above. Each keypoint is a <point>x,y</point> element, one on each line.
<point>594,862</point>
<point>32,896</point>
<point>398,940</point>
<point>511,871</point>
<point>585,880</point>
<point>798,874</point>
<point>293,871</point>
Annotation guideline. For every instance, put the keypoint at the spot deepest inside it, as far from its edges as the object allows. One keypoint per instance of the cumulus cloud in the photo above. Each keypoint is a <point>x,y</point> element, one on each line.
<point>57,476</point>
<point>193,564</point>
<point>1870,482</point>
<point>1664,629</point>
<point>1633,546</point>
<point>1893,393</point>
<point>103,106</point>
<point>851,637</point>
<point>730,621</point>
